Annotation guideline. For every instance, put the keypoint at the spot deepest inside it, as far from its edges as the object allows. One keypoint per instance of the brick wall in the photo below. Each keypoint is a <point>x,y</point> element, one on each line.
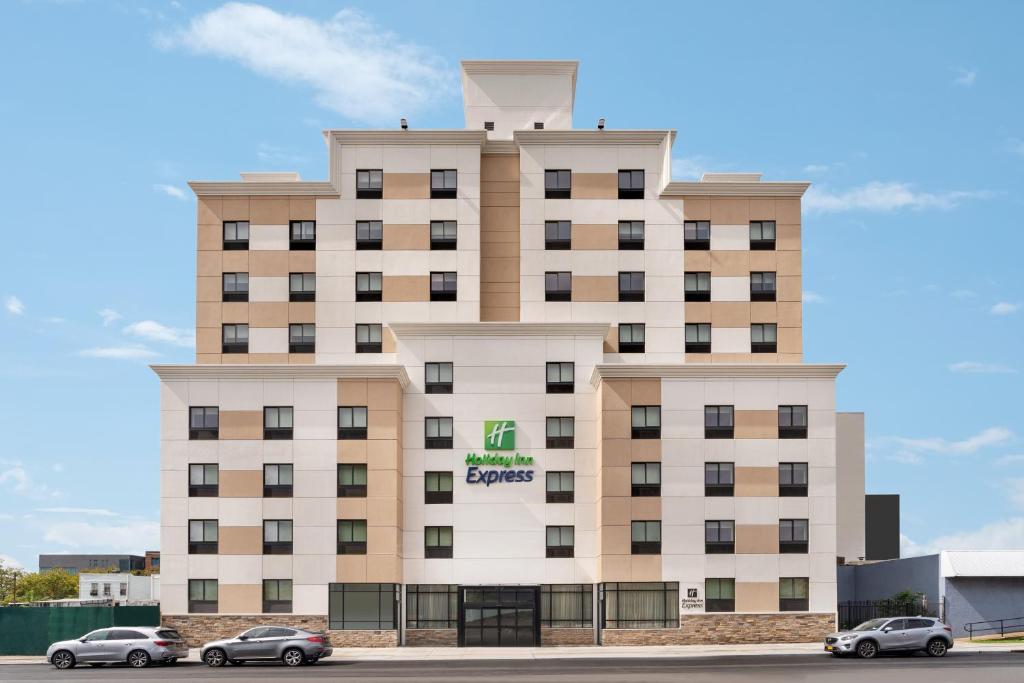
<point>197,629</point>
<point>364,638</point>
<point>566,636</point>
<point>432,637</point>
<point>729,629</point>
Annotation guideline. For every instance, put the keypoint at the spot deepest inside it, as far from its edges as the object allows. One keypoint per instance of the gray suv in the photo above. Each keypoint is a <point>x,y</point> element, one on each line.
<point>135,646</point>
<point>891,635</point>
<point>292,646</point>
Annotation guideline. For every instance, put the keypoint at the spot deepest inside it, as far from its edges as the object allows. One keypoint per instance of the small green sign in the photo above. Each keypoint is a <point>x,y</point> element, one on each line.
<point>499,435</point>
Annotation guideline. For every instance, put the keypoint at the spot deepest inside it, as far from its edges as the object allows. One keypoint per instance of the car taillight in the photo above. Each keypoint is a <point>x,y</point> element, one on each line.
<point>947,627</point>
<point>315,639</point>
<point>162,643</point>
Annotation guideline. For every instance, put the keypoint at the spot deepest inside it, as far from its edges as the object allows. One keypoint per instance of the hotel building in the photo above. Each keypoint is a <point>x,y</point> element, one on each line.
<point>504,385</point>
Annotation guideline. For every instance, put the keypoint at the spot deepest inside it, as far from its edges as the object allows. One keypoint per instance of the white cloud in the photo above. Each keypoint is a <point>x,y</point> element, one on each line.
<point>354,67</point>
<point>93,512</point>
<point>16,477</point>
<point>1012,459</point>
<point>119,352</point>
<point>913,451</point>
<point>963,293</point>
<point>1006,534</point>
<point>275,154</point>
<point>965,77</point>
<point>171,191</point>
<point>57,467</point>
<point>13,305</point>
<point>5,517</point>
<point>124,536</point>
<point>1004,308</point>
<point>810,297</point>
<point>978,368</point>
<point>816,169</point>
<point>8,561</point>
<point>884,196</point>
<point>689,168</point>
<point>109,316</point>
<point>151,329</point>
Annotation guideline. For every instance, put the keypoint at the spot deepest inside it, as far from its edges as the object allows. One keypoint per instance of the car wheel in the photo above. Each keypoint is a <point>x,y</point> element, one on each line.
<point>62,659</point>
<point>867,649</point>
<point>293,657</point>
<point>215,657</point>
<point>138,659</point>
<point>937,647</point>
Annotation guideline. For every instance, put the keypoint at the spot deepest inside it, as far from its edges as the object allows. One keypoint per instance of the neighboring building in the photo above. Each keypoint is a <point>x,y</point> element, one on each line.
<point>152,561</point>
<point>882,526</point>
<point>121,588</point>
<point>511,374</point>
<point>960,586</point>
<point>74,564</point>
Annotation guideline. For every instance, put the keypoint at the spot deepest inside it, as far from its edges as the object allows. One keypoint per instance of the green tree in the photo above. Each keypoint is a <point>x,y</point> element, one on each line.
<point>9,576</point>
<point>55,584</point>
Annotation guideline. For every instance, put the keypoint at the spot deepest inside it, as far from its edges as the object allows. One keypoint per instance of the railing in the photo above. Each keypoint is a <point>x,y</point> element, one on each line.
<point>1003,626</point>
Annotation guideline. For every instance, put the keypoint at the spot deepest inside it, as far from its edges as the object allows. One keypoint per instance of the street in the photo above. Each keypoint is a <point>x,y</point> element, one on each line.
<point>954,668</point>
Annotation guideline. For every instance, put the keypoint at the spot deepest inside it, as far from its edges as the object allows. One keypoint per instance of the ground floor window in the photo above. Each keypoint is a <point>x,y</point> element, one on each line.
<point>363,606</point>
<point>652,604</point>
<point>793,594</point>
<point>431,606</point>
<point>567,605</point>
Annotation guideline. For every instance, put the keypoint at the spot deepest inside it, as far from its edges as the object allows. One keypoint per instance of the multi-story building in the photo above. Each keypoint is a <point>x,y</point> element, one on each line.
<point>74,564</point>
<point>119,588</point>
<point>504,385</point>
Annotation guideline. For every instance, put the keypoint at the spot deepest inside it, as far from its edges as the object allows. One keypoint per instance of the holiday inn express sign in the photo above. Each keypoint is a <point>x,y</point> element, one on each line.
<point>499,435</point>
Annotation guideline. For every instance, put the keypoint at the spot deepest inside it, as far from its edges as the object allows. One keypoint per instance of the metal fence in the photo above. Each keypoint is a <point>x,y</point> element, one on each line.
<point>30,630</point>
<point>994,626</point>
<point>855,612</point>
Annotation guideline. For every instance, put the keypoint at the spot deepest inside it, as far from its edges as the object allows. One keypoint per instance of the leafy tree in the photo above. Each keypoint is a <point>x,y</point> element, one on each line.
<point>9,576</point>
<point>54,584</point>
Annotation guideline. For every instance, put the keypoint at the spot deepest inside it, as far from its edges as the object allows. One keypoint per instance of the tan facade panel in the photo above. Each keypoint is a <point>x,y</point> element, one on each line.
<point>791,358</point>
<point>611,340</point>
<point>615,452</point>
<point>757,424</point>
<point>730,263</point>
<point>210,237</point>
<point>595,236</point>
<point>352,392</point>
<point>382,424</point>
<point>268,314</point>
<point>235,209</point>
<point>383,394</point>
<point>788,263</point>
<point>787,210</point>
<point>787,237</point>
<point>301,312</point>
<point>615,483</point>
<point>697,358</point>
<point>384,568</point>
<point>235,261</point>
<point>757,539</point>
<point>616,394</point>
<point>499,237</point>
<point>697,208</point>
<point>398,237</point>
<point>269,210</point>
<point>790,340</point>
<point>615,424</point>
<point>595,185</point>
<point>382,454</point>
<point>352,451</point>
<point>789,313</point>
<point>268,263</point>
<point>645,568</point>
<point>595,288</point>
<point>301,261</point>
<point>406,288</point>
<point>208,359</point>
<point>352,568</point>
<point>645,450</point>
<point>241,424</point>
<point>764,261</point>
<point>730,314</point>
<point>762,208</point>
<point>757,596</point>
<point>208,314</point>
<point>208,210</point>
<point>208,263</point>
<point>698,311</point>
<point>241,483</point>
<point>616,567</point>
<point>789,288</point>
<point>757,481</point>
<point>697,261</point>
<point>270,358</point>
<point>240,540</point>
<point>763,312</point>
<point>730,211</point>
<point>645,508</point>
<point>615,530</point>
<point>645,392</point>
<point>352,508</point>
<point>208,341</point>
<point>406,186</point>
<point>209,288</point>
<point>241,598</point>
<point>302,208</point>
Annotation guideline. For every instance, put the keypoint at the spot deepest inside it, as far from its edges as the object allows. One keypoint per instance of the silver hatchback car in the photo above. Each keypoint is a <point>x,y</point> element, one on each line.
<point>293,646</point>
<point>892,634</point>
<point>135,646</point>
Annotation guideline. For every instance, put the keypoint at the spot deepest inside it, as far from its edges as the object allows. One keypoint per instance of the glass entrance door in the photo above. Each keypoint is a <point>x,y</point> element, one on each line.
<point>499,616</point>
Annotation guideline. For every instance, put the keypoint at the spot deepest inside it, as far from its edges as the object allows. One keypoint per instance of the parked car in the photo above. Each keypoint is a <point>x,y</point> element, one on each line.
<point>892,634</point>
<point>135,646</point>
<point>293,646</point>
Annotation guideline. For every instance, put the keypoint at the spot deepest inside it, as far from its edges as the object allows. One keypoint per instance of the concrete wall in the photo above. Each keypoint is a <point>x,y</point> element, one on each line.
<point>881,580</point>
<point>850,485</point>
<point>980,599</point>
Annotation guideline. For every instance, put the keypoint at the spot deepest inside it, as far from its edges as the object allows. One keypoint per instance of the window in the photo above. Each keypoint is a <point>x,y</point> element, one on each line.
<point>106,594</point>
<point>438,432</point>
<point>697,235</point>
<point>488,125</point>
<point>277,423</point>
<point>560,541</point>
<point>718,478</point>
<point>444,286</point>
<point>437,542</point>
<point>697,287</point>
<point>277,596</point>
<point>369,286</point>
<point>303,236</point>
<point>792,422</point>
<point>438,378</point>
<point>631,338</point>
<point>302,287</point>
<point>277,537</point>
<point>369,183</point>
<point>236,235</point>
<point>277,481</point>
<point>792,535</point>
<point>368,338</point>
<point>203,423</point>
<point>557,184</point>
<point>560,378</point>
<point>762,338</point>
<point>719,537</point>
<point>369,235</point>
<point>718,422</point>
<point>351,536</point>
<point>363,606</point>
<point>123,591</point>
<point>434,606</point>
<point>698,337</point>
<point>762,235</point>
<point>793,593</point>
<point>645,538</point>
<point>651,604</point>
<point>351,423</point>
<point>560,432</point>
<point>560,487</point>
<point>444,184</point>
<point>567,605</point>
<point>202,537</point>
<point>631,235</point>
<point>631,184</point>
<point>352,481</point>
<point>762,286</point>
<point>301,338</point>
<point>437,488</point>
<point>202,481</point>
<point>538,125</point>
<point>558,286</point>
<point>557,235</point>
<point>792,479</point>
<point>720,595</point>
<point>235,287</point>
<point>443,235</point>
<point>646,422</point>
<point>645,479</point>
<point>631,286</point>
<point>94,589</point>
<point>235,338</point>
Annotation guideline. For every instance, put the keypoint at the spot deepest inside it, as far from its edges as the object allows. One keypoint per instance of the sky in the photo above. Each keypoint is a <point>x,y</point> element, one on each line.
<point>905,116</point>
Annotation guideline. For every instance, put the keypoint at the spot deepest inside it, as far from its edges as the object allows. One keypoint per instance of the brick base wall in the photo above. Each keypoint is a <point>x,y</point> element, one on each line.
<point>364,638</point>
<point>197,629</point>
<point>729,629</point>
<point>566,636</point>
<point>432,637</point>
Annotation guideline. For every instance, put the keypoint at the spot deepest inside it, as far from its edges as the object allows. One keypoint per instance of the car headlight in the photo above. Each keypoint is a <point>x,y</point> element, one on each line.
<point>847,638</point>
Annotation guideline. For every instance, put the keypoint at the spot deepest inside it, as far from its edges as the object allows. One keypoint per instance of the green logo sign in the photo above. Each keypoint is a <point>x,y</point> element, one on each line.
<point>499,435</point>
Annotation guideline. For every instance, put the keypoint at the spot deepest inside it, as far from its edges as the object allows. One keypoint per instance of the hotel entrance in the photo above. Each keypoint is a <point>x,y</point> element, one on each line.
<point>499,616</point>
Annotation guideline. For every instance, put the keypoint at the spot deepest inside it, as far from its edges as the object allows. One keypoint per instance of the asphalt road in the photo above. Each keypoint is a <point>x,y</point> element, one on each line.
<point>954,668</point>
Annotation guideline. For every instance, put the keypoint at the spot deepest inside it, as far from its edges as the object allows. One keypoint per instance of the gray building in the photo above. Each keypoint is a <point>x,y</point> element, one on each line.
<point>73,564</point>
<point>882,526</point>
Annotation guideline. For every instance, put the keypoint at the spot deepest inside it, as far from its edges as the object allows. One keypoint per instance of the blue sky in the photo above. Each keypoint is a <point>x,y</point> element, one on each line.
<point>906,116</point>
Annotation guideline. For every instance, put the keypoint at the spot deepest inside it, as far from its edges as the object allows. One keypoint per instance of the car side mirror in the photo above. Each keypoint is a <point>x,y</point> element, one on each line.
<point>886,629</point>
<point>81,640</point>
<point>243,637</point>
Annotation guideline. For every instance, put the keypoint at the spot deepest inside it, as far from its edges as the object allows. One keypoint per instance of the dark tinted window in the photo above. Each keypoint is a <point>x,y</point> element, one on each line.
<point>124,634</point>
<point>257,632</point>
<point>98,635</point>
<point>919,623</point>
<point>279,633</point>
<point>169,634</point>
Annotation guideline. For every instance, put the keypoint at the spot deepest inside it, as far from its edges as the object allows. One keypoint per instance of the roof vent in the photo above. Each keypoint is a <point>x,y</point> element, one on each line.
<point>488,125</point>
<point>405,124</point>
<point>538,125</point>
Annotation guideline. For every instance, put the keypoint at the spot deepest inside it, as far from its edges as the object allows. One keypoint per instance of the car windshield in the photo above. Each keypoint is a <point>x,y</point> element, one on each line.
<point>872,625</point>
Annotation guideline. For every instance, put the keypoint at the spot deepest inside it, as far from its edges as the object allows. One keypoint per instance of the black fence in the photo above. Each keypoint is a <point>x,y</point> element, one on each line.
<point>855,612</point>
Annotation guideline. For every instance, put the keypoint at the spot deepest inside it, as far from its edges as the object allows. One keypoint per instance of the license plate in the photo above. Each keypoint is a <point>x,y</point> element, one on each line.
<point>829,648</point>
